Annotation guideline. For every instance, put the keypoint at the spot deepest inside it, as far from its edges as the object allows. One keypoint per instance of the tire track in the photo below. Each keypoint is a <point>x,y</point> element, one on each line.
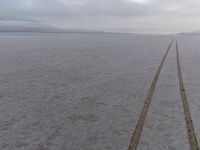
<point>188,120</point>
<point>138,129</point>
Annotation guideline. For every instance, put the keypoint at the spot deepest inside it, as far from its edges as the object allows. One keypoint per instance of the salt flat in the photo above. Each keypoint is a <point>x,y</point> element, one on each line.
<point>86,91</point>
<point>190,56</point>
<point>165,126</point>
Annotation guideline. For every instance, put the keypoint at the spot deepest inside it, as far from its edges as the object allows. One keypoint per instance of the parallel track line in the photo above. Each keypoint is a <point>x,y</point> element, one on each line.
<point>138,129</point>
<point>188,120</point>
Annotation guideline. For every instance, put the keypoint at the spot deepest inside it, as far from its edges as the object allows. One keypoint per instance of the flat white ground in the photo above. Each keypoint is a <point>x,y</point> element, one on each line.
<point>190,58</point>
<point>165,127</point>
<point>86,91</point>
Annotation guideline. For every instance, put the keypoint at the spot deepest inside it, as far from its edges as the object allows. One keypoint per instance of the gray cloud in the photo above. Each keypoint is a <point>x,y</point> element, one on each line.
<point>113,15</point>
<point>36,8</point>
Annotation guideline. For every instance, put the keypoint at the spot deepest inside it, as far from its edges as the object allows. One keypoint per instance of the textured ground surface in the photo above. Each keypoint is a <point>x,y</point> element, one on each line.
<point>190,58</point>
<point>86,91</point>
<point>165,127</point>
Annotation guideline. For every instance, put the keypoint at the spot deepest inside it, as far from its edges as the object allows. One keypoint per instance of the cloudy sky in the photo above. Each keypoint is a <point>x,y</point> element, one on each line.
<point>143,16</point>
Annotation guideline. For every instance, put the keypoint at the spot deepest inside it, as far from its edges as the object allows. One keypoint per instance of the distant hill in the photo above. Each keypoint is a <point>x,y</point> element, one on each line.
<point>189,33</point>
<point>41,29</point>
<point>10,24</point>
<point>23,28</point>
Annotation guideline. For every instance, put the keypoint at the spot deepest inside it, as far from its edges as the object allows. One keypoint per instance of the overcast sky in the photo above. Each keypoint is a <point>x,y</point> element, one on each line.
<point>143,16</point>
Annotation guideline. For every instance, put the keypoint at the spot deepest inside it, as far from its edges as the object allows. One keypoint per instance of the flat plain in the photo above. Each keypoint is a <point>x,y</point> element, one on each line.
<point>86,91</point>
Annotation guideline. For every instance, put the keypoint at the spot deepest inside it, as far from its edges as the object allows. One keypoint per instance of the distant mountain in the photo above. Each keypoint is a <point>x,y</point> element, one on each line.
<point>189,33</point>
<point>11,24</point>
<point>24,28</point>
<point>40,29</point>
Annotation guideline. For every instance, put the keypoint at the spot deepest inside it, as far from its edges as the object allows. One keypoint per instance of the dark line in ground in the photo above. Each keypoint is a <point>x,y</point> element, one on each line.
<point>138,129</point>
<point>188,120</point>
